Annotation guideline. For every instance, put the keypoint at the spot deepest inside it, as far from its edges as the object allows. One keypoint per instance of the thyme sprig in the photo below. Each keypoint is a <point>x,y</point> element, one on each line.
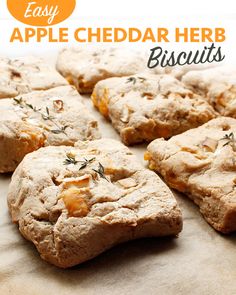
<point>19,101</point>
<point>85,163</point>
<point>134,80</point>
<point>46,116</point>
<point>32,107</point>
<point>61,129</point>
<point>101,171</point>
<point>70,159</point>
<point>230,140</point>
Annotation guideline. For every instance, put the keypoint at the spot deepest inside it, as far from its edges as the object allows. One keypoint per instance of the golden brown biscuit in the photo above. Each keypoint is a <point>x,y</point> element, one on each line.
<point>26,74</point>
<point>217,85</point>
<point>30,121</point>
<point>84,67</point>
<point>74,203</point>
<point>144,107</point>
<point>202,164</point>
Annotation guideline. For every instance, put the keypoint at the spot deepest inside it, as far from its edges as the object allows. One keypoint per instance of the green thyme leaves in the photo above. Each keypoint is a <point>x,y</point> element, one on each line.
<point>85,163</point>
<point>60,130</point>
<point>19,101</point>
<point>100,171</point>
<point>22,104</point>
<point>70,159</point>
<point>46,115</point>
<point>134,80</point>
<point>131,80</point>
<point>230,140</point>
<point>229,137</point>
<point>32,107</point>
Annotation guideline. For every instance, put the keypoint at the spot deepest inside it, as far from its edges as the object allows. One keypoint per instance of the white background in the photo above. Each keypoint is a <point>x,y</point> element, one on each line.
<point>131,13</point>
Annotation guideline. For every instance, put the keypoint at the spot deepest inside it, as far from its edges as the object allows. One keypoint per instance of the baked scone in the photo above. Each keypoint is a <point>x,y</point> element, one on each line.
<point>144,107</point>
<point>41,118</point>
<point>84,67</point>
<point>202,164</point>
<point>218,85</point>
<point>74,203</point>
<point>179,71</point>
<point>23,75</point>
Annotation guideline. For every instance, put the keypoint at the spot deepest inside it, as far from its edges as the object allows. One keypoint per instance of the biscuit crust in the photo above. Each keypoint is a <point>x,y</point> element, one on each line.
<point>74,211</point>
<point>145,107</point>
<point>218,85</point>
<point>201,163</point>
<point>84,67</point>
<point>26,74</point>
<point>41,118</point>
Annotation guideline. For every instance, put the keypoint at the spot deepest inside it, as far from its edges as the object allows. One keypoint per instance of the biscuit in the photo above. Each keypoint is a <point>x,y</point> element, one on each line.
<point>85,67</point>
<point>218,85</point>
<point>144,107</point>
<point>41,118</point>
<point>74,203</point>
<point>201,163</point>
<point>23,75</point>
<point>179,71</point>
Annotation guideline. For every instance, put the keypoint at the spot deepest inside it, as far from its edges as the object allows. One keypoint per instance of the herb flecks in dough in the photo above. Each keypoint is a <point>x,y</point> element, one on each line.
<point>230,140</point>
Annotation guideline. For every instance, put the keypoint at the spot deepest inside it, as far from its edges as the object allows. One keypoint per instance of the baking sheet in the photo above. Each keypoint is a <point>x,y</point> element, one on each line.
<point>199,261</point>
